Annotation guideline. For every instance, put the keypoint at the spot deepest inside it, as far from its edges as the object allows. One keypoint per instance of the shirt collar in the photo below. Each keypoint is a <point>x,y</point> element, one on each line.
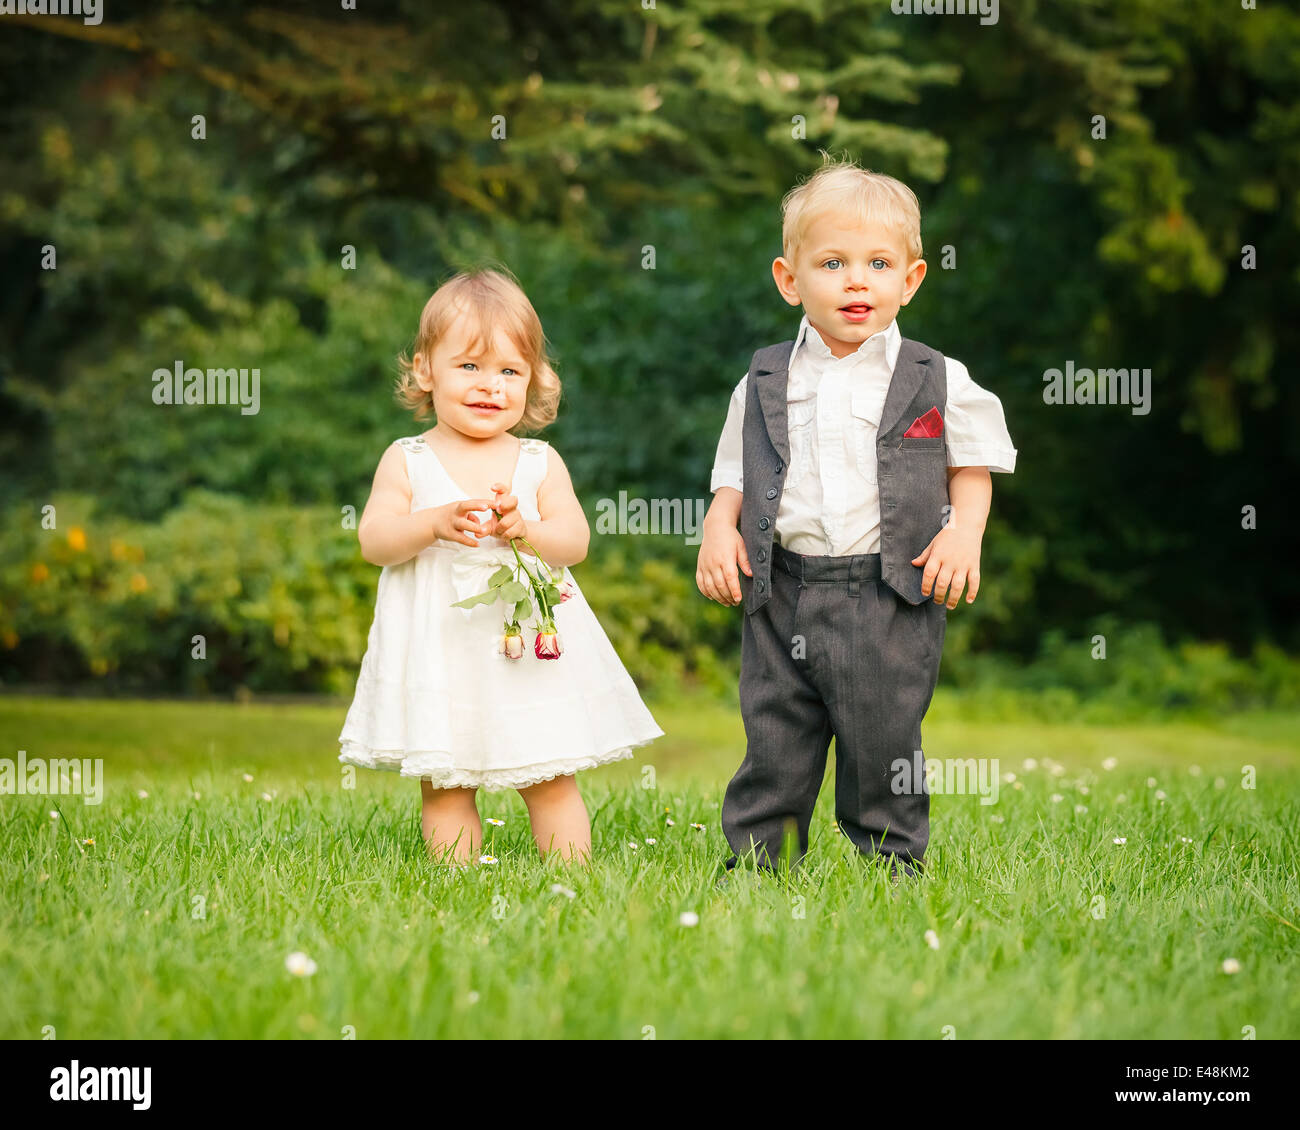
<point>890,338</point>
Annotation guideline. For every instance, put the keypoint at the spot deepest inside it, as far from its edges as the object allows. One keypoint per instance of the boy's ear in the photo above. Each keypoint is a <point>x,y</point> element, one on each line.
<point>912,283</point>
<point>783,276</point>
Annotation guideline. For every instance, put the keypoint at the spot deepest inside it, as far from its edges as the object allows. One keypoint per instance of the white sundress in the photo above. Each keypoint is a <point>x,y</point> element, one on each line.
<point>436,700</point>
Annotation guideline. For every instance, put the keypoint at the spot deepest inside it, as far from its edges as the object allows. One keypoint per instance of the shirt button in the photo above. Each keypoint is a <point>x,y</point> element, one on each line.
<point>763,523</point>
<point>771,492</point>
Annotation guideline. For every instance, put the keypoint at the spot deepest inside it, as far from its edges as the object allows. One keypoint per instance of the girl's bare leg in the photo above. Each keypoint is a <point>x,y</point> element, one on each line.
<point>450,821</point>
<point>559,818</point>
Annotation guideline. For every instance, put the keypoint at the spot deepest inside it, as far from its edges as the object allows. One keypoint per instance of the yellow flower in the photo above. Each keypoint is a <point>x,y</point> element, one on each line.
<point>77,539</point>
<point>138,582</point>
<point>117,549</point>
<point>10,639</point>
<point>39,572</point>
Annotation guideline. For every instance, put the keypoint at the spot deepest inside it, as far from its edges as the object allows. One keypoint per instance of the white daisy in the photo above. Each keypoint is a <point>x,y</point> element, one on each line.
<point>689,918</point>
<point>932,939</point>
<point>299,964</point>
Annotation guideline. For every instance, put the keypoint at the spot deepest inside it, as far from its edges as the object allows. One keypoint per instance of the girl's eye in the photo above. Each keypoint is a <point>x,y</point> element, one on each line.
<point>880,264</point>
<point>469,365</point>
<point>512,372</point>
<point>836,264</point>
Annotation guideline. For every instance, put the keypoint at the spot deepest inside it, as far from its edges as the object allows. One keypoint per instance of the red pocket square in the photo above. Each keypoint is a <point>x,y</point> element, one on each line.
<point>927,426</point>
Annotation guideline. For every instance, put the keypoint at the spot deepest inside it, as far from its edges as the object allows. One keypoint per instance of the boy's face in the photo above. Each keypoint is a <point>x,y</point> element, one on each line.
<point>463,375</point>
<point>850,279</point>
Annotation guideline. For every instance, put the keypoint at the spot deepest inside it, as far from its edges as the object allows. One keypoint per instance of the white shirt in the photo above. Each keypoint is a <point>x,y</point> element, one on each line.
<point>830,503</point>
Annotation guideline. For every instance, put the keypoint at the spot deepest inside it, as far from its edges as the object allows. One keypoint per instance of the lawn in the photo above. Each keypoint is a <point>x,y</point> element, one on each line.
<point>176,919</point>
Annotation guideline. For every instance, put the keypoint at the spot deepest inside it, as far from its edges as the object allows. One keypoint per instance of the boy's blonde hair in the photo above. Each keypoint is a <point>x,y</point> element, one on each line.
<point>492,298</point>
<point>843,186</point>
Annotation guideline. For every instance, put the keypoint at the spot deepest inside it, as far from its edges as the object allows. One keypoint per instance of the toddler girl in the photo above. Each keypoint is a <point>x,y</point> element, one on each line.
<point>444,693</point>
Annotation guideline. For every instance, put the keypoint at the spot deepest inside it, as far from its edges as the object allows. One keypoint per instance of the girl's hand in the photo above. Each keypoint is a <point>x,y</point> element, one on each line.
<point>511,523</point>
<point>456,522</point>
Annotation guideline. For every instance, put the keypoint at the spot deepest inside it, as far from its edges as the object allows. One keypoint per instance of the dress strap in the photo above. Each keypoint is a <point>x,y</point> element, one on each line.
<point>421,471</point>
<point>529,474</point>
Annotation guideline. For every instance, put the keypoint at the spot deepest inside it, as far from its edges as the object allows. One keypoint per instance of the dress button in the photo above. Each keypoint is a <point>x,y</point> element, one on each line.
<point>763,523</point>
<point>771,492</point>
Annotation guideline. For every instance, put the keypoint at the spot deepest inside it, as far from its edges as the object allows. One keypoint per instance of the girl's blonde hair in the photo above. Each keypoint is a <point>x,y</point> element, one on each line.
<point>492,298</point>
<point>843,186</point>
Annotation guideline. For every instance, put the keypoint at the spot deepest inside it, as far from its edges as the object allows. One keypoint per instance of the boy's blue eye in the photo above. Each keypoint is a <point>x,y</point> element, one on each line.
<point>837,263</point>
<point>883,264</point>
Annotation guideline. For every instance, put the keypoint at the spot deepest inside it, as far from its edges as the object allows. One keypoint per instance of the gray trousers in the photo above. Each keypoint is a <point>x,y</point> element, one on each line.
<point>833,651</point>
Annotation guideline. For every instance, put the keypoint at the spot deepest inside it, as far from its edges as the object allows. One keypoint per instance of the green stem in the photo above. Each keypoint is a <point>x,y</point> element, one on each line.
<point>534,583</point>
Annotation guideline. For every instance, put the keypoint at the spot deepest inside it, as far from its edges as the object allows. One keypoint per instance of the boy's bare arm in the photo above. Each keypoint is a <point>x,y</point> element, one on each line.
<point>722,549</point>
<point>952,559</point>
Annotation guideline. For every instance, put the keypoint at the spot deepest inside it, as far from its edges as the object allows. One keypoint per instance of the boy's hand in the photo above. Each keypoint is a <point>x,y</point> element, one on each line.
<point>951,558</point>
<point>510,524</point>
<point>721,550</point>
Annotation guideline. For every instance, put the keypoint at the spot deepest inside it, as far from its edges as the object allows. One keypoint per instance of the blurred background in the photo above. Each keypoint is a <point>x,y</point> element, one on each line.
<point>635,194</point>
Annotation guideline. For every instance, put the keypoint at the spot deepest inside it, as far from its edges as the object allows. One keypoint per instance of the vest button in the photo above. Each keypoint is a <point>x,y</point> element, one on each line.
<point>763,523</point>
<point>780,467</point>
<point>762,554</point>
<point>771,492</point>
<point>759,584</point>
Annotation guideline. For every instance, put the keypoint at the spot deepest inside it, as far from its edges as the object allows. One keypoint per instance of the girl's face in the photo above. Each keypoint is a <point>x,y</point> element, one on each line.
<point>480,392</point>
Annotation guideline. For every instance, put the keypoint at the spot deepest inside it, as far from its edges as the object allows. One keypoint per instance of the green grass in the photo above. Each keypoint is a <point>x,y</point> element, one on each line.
<point>107,940</point>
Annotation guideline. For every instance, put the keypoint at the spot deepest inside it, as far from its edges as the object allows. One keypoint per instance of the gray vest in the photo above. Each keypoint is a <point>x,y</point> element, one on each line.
<point>911,474</point>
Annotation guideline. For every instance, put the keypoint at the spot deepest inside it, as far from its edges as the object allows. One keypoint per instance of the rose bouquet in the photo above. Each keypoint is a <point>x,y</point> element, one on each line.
<point>524,590</point>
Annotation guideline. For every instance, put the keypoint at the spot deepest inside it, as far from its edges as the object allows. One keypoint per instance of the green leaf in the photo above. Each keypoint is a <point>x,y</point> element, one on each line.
<point>490,597</point>
<point>513,592</point>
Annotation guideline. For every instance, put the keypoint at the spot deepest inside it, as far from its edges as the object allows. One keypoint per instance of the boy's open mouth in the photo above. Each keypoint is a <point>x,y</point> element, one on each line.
<point>856,311</point>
